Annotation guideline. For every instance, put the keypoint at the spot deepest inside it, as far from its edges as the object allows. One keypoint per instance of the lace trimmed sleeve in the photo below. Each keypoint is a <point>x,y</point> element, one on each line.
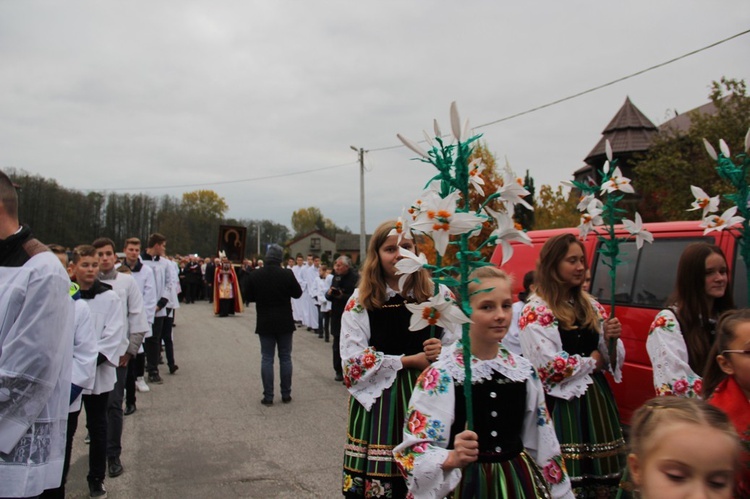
<point>669,358</point>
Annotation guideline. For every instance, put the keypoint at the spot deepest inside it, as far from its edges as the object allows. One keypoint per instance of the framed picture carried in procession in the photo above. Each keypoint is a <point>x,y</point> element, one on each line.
<point>232,242</point>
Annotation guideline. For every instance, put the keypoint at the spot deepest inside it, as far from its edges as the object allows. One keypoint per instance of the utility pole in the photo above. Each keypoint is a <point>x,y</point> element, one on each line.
<point>259,253</point>
<point>362,237</point>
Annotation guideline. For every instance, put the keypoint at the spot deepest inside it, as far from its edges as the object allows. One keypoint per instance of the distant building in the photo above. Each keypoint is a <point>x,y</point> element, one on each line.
<point>315,243</point>
<point>348,244</point>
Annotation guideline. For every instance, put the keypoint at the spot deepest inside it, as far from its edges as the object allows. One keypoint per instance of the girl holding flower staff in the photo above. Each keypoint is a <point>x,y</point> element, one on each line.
<point>564,333</point>
<point>513,451</point>
<point>382,359</point>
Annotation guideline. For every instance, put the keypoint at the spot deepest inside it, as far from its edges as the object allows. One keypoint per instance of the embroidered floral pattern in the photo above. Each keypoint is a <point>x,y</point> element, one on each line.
<point>560,367</point>
<point>353,484</point>
<point>539,314</point>
<point>554,470</point>
<point>542,416</point>
<point>353,306</point>
<point>684,387</point>
<point>664,322</point>
<point>433,381</point>
<point>356,367</point>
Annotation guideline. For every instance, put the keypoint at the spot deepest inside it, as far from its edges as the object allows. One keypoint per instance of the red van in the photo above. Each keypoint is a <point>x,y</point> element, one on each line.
<point>645,280</point>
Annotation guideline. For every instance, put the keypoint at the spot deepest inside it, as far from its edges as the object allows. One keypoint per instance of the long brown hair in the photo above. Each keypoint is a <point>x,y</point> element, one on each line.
<point>725,334</point>
<point>692,304</point>
<point>572,309</point>
<point>372,284</point>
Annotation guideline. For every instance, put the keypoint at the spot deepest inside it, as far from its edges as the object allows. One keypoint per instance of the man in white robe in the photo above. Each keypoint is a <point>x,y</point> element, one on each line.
<point>36,354</point>
<point>311,275</point>
<point>154,258</point>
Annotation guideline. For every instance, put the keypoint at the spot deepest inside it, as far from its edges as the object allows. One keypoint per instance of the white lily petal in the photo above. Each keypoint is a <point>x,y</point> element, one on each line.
<point>455,121</point>
<point>465,130</point>
<point>698,193</point>
<point>435,125</point>
<point>724,148</point>
<point>608,150</point>
<point>747,141</point>
<point>412,145</point>
<point>605,167</point>
<point>428,139</point>
<point>710,150</point>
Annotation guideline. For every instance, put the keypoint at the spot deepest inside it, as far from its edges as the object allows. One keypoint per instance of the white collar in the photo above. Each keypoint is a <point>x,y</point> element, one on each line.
<point>515,368</point>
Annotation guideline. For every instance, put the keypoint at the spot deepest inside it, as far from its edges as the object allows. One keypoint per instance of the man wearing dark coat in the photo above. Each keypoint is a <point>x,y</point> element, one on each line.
<point>344,282</point>
<point>272,289</point>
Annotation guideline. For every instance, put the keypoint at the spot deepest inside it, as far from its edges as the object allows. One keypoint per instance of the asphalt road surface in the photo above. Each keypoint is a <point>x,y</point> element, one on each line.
<point>204,433</point>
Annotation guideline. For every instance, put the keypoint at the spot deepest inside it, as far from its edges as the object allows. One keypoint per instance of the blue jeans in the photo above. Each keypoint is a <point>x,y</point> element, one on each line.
<point>268,344</point>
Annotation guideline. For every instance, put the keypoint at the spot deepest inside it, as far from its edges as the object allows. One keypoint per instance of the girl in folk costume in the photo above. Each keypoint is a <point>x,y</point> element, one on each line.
<point>681,335</point>
<point>726,381</point>
<point>680,448</point>
<point>227,296</point>
<point>514,451</point>
<point>564,333</point>
<point>382,359</point>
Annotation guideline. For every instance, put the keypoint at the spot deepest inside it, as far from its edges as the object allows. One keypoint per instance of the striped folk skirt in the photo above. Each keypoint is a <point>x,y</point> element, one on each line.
<point>369,467</point>
<point>591,441</point>
<point>517,478</point>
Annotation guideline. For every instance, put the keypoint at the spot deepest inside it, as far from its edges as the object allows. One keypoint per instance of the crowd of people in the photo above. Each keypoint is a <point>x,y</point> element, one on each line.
<point>544,421</point>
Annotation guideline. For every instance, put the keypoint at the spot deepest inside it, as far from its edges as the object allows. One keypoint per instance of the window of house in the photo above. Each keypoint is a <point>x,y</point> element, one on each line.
<point>315,243</point>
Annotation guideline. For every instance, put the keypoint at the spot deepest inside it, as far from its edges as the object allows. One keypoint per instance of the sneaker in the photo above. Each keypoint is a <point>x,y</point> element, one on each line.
<point>87,439</point>
<point>114,467</point>
<point>96,489</point>
<point>155,379</point>
<point>141,386</point>
<point>173,368</point>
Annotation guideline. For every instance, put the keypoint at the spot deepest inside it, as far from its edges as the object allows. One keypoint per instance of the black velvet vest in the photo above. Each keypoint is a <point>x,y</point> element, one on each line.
<point>389,329</point>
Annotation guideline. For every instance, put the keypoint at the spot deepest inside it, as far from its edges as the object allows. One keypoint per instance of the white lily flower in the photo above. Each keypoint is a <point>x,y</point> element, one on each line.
<point>402,228</point>
<point>428,139</point>
<point>476,167</point>
<point>409,264</point>
<point>617,183</point>
<point>418,206</point>
<point>590,218</point>
<point>435,311</point>
<point>455,121</point>
<point>703,201</point>
<point>584,201</point>
<point>710,150</point>
<point>726,220</point>
<point>636,229</point>
<point>435,125</point>
<point>513,191</point>
<point>440,220</point>
<point>608,149</point>
<point>747,141</point>
<point>724,148</point>
<point>412,145</point>
<point>605,167</point>
<point>506,232</point>
<point>568,183</point>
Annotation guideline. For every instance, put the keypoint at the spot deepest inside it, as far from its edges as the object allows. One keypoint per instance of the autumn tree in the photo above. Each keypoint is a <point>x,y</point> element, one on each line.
<point>309,219</point>
<point>555,208</point>
<point>204,209</point>
<point>677,159</point>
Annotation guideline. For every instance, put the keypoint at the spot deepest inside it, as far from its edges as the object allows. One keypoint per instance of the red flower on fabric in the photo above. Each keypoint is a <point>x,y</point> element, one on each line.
<point>680,387</point>
<point>429,379</point>
<point>559,364</point>
<point>350,305</point>
<point>552,472</point>
<point>557,377</point>
<point>522,322</point>
<point>660,322</point>
<point>368,360</point>
<point>355,372</point>
<point>417,423</point>
<point>698,386</point>
<point>572,361</point>
<point>531,316</point>
<point>546,319</point>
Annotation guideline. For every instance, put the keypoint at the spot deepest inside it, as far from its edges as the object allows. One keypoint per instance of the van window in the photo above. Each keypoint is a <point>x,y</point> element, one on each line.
<point>645,278</point>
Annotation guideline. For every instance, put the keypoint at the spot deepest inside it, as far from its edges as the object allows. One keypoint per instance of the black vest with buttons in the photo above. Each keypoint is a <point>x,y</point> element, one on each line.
<point>499,408</point>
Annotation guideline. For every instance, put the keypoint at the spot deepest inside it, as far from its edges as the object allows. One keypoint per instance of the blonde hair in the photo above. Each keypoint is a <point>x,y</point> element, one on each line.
<point>487,272</point>
<point>372,283</point>
<point>551,287</point>
<point>662,411</point>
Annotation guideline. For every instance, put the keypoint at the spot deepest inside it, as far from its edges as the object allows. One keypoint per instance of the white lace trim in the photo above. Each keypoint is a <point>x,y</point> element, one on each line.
<point>513,367</point>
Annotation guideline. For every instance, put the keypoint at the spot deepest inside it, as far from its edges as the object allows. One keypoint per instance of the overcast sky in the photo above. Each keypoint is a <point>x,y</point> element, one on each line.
<point>222,95</point>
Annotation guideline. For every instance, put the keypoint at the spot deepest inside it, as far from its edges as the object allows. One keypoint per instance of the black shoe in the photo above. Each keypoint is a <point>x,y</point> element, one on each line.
<point>286,400</point>
<point>114,467</point>
<point>155,379</point>
<point>327,340</point>
<point>96,489</point>
<point>339,377</point>
<point>309,329</point>
<point>173,368</point>
<point>266,401</point>
<point>129,409</point>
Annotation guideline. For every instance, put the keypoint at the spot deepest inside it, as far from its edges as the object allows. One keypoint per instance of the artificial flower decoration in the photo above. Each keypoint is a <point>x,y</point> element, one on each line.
<point>435,312</point>
<point>513,191</point>
<point>506,232</point>
<point>720,222</point>
<point>440,220</point>
<point>636,229</point>
<point>403,227</point>
<point>409,264</point>
<point>591,218</point>
<point>617,182</point>
<point>703,201</point>
<point>476,167</point>
<point>583,201</point>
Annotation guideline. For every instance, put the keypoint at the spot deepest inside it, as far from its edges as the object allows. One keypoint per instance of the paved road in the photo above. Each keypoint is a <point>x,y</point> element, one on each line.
<point>204,432</point>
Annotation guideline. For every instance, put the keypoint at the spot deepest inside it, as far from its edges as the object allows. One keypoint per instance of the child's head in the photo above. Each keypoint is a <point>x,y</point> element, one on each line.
<point>84,266</point>
<point>682,446</point>
<point>491,302</point>
<point>730,354</point>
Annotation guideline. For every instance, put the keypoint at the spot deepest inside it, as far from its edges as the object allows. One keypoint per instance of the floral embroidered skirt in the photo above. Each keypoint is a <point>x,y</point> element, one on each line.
<point>517,478</point>
<point>369,467</point>
<point>588,428</point>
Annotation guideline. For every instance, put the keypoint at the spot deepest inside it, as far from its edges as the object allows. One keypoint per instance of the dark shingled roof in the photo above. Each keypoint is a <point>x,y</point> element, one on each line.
<point>629,131</point>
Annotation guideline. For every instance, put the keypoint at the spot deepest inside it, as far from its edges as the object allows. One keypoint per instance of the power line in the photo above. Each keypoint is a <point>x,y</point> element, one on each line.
<point>592,89</point>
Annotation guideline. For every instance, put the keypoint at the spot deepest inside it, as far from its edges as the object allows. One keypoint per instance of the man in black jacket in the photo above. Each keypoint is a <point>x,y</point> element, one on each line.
<point>344,282</point>
<point>272,289</point>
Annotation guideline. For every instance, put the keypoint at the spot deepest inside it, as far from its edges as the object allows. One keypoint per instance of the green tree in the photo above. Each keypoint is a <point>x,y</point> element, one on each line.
<point>204,203</point>
<point>555,209</point>
<point>677,159</point>
<point>309,219</point>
